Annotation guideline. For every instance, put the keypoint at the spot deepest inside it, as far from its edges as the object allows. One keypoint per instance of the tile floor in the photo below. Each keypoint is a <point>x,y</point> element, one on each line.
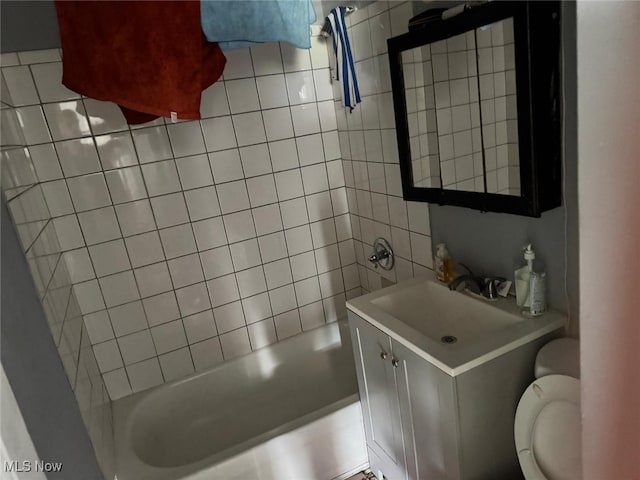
<point>359,476</point>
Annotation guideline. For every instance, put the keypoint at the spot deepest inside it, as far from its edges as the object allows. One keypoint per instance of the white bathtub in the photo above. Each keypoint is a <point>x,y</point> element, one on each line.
<point>287,412</point>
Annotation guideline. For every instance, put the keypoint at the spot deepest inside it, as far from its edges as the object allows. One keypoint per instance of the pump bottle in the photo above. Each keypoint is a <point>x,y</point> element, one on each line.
<point>522,277</point>
<point>443,264</point>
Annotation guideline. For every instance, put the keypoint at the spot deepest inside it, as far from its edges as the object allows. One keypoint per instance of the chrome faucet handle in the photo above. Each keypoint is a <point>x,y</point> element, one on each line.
<point>375,258</point>
<point>471,283</point>
<point>382,254</point>
<point>490,290</point>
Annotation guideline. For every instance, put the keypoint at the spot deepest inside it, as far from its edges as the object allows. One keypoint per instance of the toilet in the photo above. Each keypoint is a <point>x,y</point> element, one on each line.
<point>547,424</point>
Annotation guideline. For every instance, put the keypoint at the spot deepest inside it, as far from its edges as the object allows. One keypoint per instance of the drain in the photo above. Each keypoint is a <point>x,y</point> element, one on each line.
<point>448,339</point>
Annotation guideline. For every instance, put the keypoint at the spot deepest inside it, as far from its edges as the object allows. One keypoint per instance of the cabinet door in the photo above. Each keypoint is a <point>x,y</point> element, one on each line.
<point>379,397</point>
<point>428,415</point>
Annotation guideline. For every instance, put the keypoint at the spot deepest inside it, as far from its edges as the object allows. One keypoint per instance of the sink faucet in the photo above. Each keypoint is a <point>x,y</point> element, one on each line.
<point>477,284</point>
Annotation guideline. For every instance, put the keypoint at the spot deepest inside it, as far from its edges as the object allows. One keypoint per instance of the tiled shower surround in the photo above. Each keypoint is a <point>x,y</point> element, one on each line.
<point>24,195</point>
<point>195,242</point>
<point>370,154</point>
<point>189,244</point>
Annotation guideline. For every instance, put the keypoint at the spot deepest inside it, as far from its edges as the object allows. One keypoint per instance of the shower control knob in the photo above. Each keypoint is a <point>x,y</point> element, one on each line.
<point>384,355</point>
<point>395,363</point>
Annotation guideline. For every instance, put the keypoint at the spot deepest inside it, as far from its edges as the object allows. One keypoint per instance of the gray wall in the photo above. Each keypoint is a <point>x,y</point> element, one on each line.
<point>34,369</point>
<point>492,242</point>
<point>28,25</point>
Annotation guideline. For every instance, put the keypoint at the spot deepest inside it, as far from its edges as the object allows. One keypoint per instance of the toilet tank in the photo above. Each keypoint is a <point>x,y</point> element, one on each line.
<point>559,357</point>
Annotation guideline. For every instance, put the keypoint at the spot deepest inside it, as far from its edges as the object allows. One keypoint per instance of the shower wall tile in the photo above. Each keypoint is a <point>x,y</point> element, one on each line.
<point>199,327</point>
<point>189,244</point>
<point>47,77</point>
<point>89,192</point>
<point>20,86</point>
<point>371,173</point>
<point>45,217</point>
<point>267,59</point>
<point>34,127</point>
<point>144,375</point>
<point>207,353</point>
<point>176,364</point>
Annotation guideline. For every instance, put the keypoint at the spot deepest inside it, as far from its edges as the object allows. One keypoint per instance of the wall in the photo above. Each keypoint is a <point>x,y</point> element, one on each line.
<point>370,153</point>
<point>492,243</point>
<point>195,242</point>
<point>57,335</point>
<point>487,242</point>
<point>28,25</point>
<point>608,147</point>
<point>15,441</point>
<point>39,382</point>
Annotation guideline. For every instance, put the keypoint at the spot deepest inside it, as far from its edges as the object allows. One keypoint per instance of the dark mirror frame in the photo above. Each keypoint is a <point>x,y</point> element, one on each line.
<point>538,66</point>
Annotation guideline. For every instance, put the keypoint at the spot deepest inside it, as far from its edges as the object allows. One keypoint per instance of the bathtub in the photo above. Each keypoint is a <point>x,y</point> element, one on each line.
<point>290,411</point>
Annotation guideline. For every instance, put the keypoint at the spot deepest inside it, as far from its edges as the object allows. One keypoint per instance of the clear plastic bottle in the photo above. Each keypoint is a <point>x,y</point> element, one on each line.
<point>443,264</point>
<point>537,292</point>
<point>530,282</point>
<point>522,277</point>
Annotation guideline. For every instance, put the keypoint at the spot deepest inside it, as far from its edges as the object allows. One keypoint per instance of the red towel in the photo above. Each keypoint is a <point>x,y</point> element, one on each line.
<point>149,57</point>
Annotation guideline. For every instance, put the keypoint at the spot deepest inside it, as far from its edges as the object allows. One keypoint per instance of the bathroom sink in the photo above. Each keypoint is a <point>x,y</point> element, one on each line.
<point>454,330</point>
<point>449,313</point>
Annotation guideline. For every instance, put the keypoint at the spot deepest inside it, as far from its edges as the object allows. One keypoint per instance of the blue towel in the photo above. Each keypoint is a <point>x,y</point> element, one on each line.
<point>245,23</point>
<point>345,68</point>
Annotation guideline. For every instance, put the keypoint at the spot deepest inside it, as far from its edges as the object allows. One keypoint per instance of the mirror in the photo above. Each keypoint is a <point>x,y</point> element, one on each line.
<point>465,92</point>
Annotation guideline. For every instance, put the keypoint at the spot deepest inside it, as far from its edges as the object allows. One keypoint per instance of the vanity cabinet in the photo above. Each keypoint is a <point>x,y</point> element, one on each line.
<point>423,424</point>
<point>407,407</point>
<point>379,396</point>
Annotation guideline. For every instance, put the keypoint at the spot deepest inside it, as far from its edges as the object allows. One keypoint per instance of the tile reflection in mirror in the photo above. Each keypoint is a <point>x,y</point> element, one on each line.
<point>463,131</point>
<point>498,99</point>
<point>421,113</point>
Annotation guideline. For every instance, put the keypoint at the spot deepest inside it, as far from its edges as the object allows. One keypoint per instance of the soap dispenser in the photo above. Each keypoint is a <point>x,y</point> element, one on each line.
<point>443,264</point>
<point>522,277</point>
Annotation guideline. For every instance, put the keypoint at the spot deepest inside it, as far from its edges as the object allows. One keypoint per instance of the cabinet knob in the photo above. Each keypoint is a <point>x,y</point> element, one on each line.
<point>395,362</point>
<point>384,355</point>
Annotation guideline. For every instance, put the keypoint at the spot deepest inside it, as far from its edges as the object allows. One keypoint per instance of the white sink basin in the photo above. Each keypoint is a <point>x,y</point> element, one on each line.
<point>424,315</point>
<point>435,311</point>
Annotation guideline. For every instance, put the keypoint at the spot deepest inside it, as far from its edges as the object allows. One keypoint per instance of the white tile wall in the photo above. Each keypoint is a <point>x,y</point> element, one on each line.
<point>43,206</point>
<point>180,236</point>
<point>370,161</point>
<point>189,244</point>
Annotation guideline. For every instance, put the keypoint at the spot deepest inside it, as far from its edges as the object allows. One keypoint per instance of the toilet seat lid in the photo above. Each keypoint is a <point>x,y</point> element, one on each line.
<point>547,429</point>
